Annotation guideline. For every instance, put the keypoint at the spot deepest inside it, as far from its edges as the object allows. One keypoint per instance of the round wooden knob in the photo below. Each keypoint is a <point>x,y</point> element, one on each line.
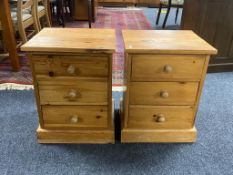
<point>71,69</point>
<point>72,95</point>
<point>164,94</point>
<point>51,73</point>
<point>74,119</point>
<point>98,116</point>
<point>168,68</point>
<point>160,118</point>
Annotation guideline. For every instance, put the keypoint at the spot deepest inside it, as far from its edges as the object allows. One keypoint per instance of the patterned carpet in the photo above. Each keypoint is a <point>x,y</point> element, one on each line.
<point>118,18</point>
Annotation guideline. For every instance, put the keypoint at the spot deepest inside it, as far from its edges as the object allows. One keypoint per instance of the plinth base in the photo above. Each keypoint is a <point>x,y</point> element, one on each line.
<point>62,136</point>
<point>159,136</point>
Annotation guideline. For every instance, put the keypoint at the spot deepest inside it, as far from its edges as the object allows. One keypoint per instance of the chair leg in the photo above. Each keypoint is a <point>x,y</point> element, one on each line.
<point>70,5</point>
<point>58,11</point>
<point>159,13</point>
<point>48,22</point>
<point>22,34</point>
<point>166,17</point>
<point>51,8</point>
<point>2,42</point>
<point>62,13</point>
<point>177,12</point>
<point>36,22</point>
<point>89,12</point>
<point>37,26</point>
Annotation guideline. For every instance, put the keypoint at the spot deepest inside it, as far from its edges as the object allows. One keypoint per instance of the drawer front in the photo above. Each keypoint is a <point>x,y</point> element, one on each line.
<point>80,66</point>
<point>161,117</point>
<point>166,67</point>
<point>163,93</point>
<point>75,116</point>
<point>89,93</point>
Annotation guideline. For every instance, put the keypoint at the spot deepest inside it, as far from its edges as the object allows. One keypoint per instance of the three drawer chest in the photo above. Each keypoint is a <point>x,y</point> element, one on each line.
<point>164,76</point>
<point>72,72</point>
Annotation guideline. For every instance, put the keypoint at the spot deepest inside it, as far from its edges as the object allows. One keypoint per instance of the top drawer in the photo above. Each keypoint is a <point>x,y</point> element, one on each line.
<point>81,66</point>
<point>167,67</point>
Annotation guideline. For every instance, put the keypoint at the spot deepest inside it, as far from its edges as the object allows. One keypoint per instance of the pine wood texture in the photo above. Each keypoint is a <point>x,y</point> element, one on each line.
<point>163,93</point>
<point>75,65</point>
<point>71,136</point>
<point>167,67</point>
<point>159,136</point>
<point>176,117</point>
<point>60,40</point>
<point>73,85</point>
<point>79,94</point>
<point>164,74</point>
<point>165,42</point>
<point>75,116</point>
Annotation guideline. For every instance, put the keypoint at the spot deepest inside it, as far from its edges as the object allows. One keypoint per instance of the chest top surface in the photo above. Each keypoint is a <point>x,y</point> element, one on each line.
<point>165,42</point>
<point>72,40</point>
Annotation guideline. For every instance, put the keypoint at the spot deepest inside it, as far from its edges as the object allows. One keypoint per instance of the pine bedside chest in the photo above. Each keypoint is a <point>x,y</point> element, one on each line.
<point>165,72</point>
<point>73,84</point>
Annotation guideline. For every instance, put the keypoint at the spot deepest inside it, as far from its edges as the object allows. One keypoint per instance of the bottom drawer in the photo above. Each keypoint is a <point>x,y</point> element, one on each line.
<point>75,116</point>
<point>161,117</point>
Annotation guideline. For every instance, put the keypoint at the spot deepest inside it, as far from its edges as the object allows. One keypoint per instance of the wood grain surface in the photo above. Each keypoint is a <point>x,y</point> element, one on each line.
<point>166,42</point>
<point>72,40</point>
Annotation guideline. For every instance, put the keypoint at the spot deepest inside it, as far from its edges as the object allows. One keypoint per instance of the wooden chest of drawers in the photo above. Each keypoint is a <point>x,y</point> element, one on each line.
<point>164,74</point>
<point>73,84</point>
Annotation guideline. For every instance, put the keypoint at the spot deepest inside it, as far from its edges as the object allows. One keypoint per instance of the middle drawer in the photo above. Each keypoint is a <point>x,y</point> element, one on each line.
<point>163,93</point>
<point>81,93</point>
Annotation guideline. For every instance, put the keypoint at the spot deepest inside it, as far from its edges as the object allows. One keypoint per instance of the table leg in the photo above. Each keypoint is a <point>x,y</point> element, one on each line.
<point>8,32</point>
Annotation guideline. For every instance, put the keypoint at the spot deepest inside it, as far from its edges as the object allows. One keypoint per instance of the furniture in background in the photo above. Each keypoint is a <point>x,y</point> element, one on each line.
<point>118,2</point>
<point>212,20</point>
<point>8,33</point>
<point>24,16</point>
<point>42,12</point>
<point>17,19</point>
<point>73,84</point>
<point>165,72</point>
<point>78,10</point>
<point>169,4</point>
<point>60,8</point>
<point>2,46</point>
<point>85,10</point>
<point>147,3</point>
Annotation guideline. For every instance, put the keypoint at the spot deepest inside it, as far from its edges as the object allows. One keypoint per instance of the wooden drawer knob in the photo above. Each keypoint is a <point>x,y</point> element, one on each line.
<point>72,95</point>
<point>74,119</point>
<point>164,94</point>
<point>168,69</point>
<point>98,117</point>
<point>160,118</point>
<point>71,69</point>
<point>51,73</point>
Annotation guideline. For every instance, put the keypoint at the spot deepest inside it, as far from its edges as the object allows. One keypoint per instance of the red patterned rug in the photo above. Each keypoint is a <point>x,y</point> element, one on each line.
<point>117,18</point>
